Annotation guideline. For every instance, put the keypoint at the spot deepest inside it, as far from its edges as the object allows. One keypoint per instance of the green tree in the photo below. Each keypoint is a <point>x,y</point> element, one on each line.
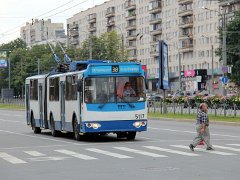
<point>106,47</point>
<point>232,46</point>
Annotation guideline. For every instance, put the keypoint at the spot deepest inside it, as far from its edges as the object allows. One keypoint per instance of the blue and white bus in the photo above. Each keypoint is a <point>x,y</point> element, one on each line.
<point>88,99</point>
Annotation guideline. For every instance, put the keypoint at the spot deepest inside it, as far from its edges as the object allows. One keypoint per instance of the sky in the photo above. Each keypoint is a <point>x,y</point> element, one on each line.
<point>15,13</point>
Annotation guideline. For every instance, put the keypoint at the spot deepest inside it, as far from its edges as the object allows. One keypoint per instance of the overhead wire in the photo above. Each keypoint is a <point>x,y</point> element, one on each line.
<point>8,31</point>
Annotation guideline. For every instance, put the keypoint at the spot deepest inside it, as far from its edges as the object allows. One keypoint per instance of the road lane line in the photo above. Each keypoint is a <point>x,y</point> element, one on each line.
<point>121,156</point>
<point>171,151</point>
<point>204,150</point>
<point>37,136</point>
<point>11,159</point>
<point>10,121</point>
<point>34,153</point>
<point>74,154</point>
<point>139,152</point>
<point>227,148</point>
<point>192,132</point>
<point>233,144</point>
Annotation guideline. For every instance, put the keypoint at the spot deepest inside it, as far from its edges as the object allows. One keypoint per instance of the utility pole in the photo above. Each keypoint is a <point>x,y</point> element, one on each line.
<point>212,71</point>
<point>38,66</point>
<point>180,69</point>
<point>122,47</point>
<point>224,51</point>
<point>9,73</point>
<point>90,47</point>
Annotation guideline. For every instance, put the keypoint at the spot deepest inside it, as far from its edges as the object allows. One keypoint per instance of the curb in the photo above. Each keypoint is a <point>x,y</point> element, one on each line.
<point>193,120</point>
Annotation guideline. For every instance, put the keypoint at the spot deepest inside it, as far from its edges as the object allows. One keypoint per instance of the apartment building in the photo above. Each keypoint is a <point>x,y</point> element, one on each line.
<point>190,31</point>
<point>41,31</point>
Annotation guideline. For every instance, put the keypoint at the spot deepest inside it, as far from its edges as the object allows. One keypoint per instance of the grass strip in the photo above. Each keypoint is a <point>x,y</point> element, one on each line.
<point>193,117</point>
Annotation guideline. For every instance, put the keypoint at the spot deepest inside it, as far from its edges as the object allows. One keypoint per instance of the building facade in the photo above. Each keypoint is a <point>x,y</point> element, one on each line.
<point>42,31</point>
<point>190,31</point>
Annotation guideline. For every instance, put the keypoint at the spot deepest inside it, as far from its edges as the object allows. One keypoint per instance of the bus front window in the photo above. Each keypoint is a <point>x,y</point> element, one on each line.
<point>114,89</point>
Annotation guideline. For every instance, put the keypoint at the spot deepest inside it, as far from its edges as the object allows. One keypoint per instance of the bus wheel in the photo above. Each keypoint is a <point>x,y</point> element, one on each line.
<point>53,131</point>
<point>35,129</point>
<point>131,135</point>
<point>77,136</point>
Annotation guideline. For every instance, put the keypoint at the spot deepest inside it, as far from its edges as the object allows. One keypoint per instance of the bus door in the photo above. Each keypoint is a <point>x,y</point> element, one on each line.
<point>62,103</point>
<point>28,104</point>
<point>40,90</point>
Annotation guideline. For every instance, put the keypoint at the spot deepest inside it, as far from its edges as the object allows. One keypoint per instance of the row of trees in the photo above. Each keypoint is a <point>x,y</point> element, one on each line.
<point>24,61</point>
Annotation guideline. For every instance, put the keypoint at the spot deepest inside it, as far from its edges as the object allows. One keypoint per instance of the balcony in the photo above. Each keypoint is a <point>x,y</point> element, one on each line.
<point>186,48</point>
<point>185,12</point>
<point>130,5</point>
<point>110,12</point>
<point>110,23</point>
<point>185,1</point>
<point>131,27</point>
<point>74,33</point>
<point>183,36</point>
<point>155,21</point>
<point>92,18</point>
<point>92,28</point>
<point>186,23</point>
<point>155,7</point>
<point>74,42</point>
<point>153,42</point>
<point>133,58</point>
<point>154,53</point>
<point>131,47</point>
<point>131,37</point>
<point>131,16</point>
<point>156,31</point>
<point>73,26</point>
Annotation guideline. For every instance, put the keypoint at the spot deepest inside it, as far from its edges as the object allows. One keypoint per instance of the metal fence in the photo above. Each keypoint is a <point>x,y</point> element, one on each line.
<point>187,108</point>
<point>13,102</point>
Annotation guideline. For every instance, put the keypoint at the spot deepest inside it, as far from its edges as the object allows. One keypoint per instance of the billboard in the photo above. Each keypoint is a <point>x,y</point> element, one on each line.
<point>3,63</point>
<point>163,65</point>
<point>3,57</point>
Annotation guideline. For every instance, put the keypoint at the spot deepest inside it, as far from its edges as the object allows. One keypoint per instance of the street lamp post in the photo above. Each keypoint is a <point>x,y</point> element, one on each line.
<point>122,39</point>
<point>9,73</point>
<point>224,51</point>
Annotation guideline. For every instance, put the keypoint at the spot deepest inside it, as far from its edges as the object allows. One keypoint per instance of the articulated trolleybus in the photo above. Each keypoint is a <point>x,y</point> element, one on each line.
<point>89,99</point>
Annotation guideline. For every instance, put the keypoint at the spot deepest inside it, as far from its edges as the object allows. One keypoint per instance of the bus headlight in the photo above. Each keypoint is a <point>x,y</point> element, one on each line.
<point>93,125</point>
<point>138,124</point>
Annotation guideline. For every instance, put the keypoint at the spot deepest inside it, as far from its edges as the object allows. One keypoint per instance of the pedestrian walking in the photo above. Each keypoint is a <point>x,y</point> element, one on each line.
<point>202,128</point>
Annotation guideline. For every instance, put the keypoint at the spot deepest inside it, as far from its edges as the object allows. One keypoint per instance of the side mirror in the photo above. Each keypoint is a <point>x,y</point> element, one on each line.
<point>79,85</point>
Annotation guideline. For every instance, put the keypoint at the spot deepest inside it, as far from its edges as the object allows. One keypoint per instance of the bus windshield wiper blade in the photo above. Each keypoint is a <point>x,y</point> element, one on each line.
<point>102,105</point>
<point>130,105</point>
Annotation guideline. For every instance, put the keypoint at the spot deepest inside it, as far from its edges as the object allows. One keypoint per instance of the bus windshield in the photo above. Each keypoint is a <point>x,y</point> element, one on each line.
<point>114,89</point>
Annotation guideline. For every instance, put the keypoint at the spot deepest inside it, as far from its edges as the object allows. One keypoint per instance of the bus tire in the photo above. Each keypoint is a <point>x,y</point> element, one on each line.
<point>54,132</point>
<point>76,131</point>
<point>131,135</point>
<point>35,129</point>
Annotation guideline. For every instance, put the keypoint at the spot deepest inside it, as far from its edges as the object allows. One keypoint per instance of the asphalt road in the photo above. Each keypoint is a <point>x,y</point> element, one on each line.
<point>160,153</point>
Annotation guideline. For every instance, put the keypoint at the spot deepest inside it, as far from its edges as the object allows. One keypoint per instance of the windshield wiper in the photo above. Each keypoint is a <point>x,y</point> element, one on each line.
<point>130,105</point>
<point>103,104</point>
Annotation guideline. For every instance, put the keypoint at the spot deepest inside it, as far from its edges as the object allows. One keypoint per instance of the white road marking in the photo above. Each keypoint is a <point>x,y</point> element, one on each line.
<point>108,153</point>
<point>233,144</point>
<point>171,151</point>
<point>34,153</point>
<point>192,132</point>
<point>38,137</point>
<point>12,121</point>
<point>74,154</point>
<point>204,150</point>
<point>227,148</point>
<point>11,159</point>
<point>140,152</point>
<point>49,158</point>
